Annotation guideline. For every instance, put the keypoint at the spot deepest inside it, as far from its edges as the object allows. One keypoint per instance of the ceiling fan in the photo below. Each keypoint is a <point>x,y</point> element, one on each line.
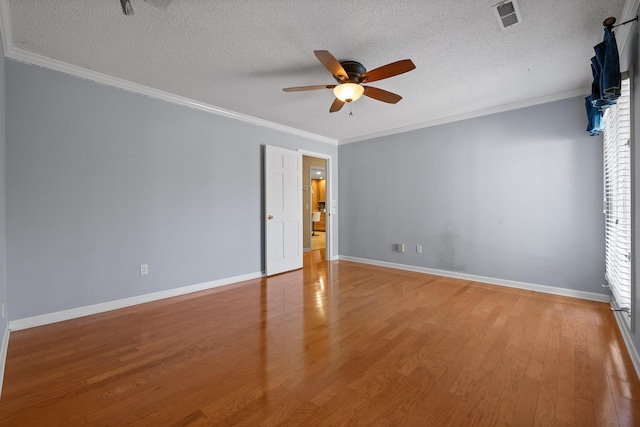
<point>351,75</point>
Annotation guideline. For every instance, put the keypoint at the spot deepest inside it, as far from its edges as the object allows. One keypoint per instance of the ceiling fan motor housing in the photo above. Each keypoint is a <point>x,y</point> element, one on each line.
<point>354,70</point>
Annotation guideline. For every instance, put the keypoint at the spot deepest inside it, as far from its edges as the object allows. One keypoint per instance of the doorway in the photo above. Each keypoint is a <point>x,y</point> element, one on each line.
<point>318,208</point>
<point>315,204</point>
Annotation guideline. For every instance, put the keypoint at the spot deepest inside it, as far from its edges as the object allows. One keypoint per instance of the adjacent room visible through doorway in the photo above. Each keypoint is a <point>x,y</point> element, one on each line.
<point>315,204</point>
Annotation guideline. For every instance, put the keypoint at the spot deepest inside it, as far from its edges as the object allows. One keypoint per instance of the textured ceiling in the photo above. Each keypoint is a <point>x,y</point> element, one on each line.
<point>238,55</point>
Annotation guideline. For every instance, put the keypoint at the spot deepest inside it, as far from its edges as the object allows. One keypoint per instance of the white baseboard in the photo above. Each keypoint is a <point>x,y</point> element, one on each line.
<point>626,336</point>
<point>45,319</point>
<point>592,296</point>
<point>3,354</point>
<point>127,302</point>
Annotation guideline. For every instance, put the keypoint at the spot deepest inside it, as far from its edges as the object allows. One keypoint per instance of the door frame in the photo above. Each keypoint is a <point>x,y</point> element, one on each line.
<point>332,208</point>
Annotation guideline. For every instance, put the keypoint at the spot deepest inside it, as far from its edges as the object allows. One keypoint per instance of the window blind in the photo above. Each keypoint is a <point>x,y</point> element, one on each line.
<point>617,198</point>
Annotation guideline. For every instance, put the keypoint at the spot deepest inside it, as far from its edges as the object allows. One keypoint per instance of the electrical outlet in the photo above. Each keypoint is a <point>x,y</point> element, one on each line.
<point>400,247</point>
<point>419,249</point>
<point>144,269</point>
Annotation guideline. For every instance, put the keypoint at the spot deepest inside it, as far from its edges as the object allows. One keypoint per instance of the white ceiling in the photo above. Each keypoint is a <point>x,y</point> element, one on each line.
<point>234,57</point>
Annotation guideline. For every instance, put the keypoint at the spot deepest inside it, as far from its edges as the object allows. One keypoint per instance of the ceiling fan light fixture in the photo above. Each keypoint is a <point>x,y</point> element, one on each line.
<point>348,92</point>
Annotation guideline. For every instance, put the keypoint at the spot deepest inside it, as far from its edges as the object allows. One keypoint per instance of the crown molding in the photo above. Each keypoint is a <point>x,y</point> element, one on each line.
<point>5,26</point>
<point>629,12</point>
<point>469,115</point>
<point>17,54</point>
<point>53,64</point>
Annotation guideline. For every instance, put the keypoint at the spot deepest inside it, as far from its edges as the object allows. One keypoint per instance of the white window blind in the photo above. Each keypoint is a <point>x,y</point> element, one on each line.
<point>617,198</point>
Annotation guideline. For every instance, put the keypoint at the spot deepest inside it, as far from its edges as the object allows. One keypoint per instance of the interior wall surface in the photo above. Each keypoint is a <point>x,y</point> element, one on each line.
<point>3,209</point>
<point>511,196</point>
<point>101,181</point>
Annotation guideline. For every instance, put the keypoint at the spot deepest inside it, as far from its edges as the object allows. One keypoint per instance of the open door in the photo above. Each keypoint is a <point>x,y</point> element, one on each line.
<point>283,210</point>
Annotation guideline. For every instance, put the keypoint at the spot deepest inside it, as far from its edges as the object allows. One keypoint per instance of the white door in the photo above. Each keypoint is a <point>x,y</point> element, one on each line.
<point>283,210</point>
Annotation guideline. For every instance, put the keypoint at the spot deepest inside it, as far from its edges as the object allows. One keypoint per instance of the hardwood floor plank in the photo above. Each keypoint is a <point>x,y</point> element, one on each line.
<point>566,399</point>
<point>334,344</point>
<point>527,403</point>
<point>585,413</point>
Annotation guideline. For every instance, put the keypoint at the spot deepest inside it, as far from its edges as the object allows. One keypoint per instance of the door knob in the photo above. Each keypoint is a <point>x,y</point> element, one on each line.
<point>270,217</point>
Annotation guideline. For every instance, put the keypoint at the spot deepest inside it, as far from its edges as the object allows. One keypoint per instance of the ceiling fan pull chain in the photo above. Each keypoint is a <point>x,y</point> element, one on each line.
<point>350,112</point>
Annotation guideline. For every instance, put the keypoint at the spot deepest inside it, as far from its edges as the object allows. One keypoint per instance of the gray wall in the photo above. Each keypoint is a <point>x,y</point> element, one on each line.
<point>515,195</point>
<point>100,180</point>
<point>3,230</point>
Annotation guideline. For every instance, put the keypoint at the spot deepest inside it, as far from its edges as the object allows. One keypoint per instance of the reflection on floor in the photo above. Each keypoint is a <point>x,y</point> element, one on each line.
<point>334,343</point>
<point>319,241</point>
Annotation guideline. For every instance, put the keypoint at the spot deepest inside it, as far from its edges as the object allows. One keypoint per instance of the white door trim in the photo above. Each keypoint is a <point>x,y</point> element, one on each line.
<point>331,210</point>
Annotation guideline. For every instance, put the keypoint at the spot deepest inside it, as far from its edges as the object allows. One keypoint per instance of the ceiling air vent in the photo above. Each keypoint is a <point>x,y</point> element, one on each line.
<point>508,13</point>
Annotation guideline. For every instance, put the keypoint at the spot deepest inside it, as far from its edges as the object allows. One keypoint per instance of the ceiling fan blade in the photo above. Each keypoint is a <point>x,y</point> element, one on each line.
<point>331,64</point>
<point>381,95</point>
<point>388,70</point>
<point>302,88</point>
<point>126,7</point>
<point>336,106</point>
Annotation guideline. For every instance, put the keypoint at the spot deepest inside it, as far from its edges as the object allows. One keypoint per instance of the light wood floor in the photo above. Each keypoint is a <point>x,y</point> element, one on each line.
<point>319,240</point>
<point>333,344</point>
